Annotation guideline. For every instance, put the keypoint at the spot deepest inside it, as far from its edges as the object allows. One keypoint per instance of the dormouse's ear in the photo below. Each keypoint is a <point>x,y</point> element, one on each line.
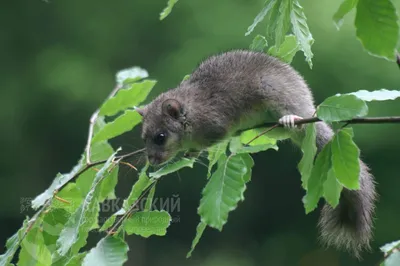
<point>172,108</point>
<point>141,110</point>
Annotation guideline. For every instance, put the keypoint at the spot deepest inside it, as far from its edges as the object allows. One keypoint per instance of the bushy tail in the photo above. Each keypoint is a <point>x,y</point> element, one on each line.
<point>349,225</point>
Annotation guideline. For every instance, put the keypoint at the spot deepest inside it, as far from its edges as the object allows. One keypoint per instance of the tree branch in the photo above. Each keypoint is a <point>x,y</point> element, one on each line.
<point>360,120</point>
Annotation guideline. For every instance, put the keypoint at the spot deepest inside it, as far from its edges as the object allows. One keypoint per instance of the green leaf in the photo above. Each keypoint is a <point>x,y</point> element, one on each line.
<point>110,251</point>
<point>167,10</point>
<point>77,228</point>
<point>378,95</point>
<point>259,43</point>
<point>224,190</point>
<point>173,167</point>
<point>76,260</point>
<point>390,246</point>
<point>249,162</point>
<point>108,185</point>
<point>273,17</point>
<point>235,145</point>
<point>319,175</point>
<point>276,134</point>
<point>344,9</point>
<point>125,122</point>
<point>377,27</point>
<point>149,200</point>
<point>85,180</point>
<point>257,148</point>
<point>287,50</point>
<point>301,31</point>
<point>262,143</point>
<point>249,135</point>
<point>214,153</point>
<point>186,77</point>
<point>126,98</point>
<point>137,189</point>
<point>269,5</point>
<point>309,150</point>
<point>132,74</point>
<point>332,189</point>
<point>282,22</point>
<point>109,222</point>
<point>72,195</point>
<point>69,259</point>
<point>392,260</point>
<point>100,151</point>
<point>12,244</point>
<point>341,108</point>
<point>58,182</point>
<point>52,225</point>
<point>34,250</point>
<point>199,232</point>
<point>277,13</point>
<point>149,223</point>
<point>345,159</point>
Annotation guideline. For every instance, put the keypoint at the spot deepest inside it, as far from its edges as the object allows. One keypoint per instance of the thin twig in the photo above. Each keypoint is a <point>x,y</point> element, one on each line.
<point>262,133</point>
<point>126,156</point>
<point>88,166</point>
<point>129,164</point>
<point>130,210</point>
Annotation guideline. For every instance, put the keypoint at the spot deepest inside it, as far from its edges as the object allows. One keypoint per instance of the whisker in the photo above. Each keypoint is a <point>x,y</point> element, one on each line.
<point>130,146</point>
<point>201,163</point>
<point>179,176</point>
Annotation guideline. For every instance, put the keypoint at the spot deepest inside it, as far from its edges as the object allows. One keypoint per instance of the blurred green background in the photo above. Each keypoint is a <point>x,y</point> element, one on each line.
<point>58,63</point>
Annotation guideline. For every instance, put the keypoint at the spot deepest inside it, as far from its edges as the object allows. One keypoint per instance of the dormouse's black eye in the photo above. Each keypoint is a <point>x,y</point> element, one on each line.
<point>160,139</point>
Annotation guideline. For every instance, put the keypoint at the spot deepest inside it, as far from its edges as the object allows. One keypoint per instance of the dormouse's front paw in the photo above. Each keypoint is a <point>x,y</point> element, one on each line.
<point>288,121</point>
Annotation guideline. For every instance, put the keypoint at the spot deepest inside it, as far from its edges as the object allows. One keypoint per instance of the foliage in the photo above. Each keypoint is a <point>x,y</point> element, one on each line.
<point>68,210</point>
<point>376,23</point>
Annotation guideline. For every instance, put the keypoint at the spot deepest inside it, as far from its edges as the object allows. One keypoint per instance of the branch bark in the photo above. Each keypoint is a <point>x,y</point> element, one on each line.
<point>360,120</point>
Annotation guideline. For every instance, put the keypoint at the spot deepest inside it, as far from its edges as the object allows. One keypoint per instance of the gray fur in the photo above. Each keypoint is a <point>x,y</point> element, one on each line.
<point>241,89</point>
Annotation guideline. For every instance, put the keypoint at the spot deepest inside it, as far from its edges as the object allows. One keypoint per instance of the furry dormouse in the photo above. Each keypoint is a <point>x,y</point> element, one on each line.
<point>239,90</point>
